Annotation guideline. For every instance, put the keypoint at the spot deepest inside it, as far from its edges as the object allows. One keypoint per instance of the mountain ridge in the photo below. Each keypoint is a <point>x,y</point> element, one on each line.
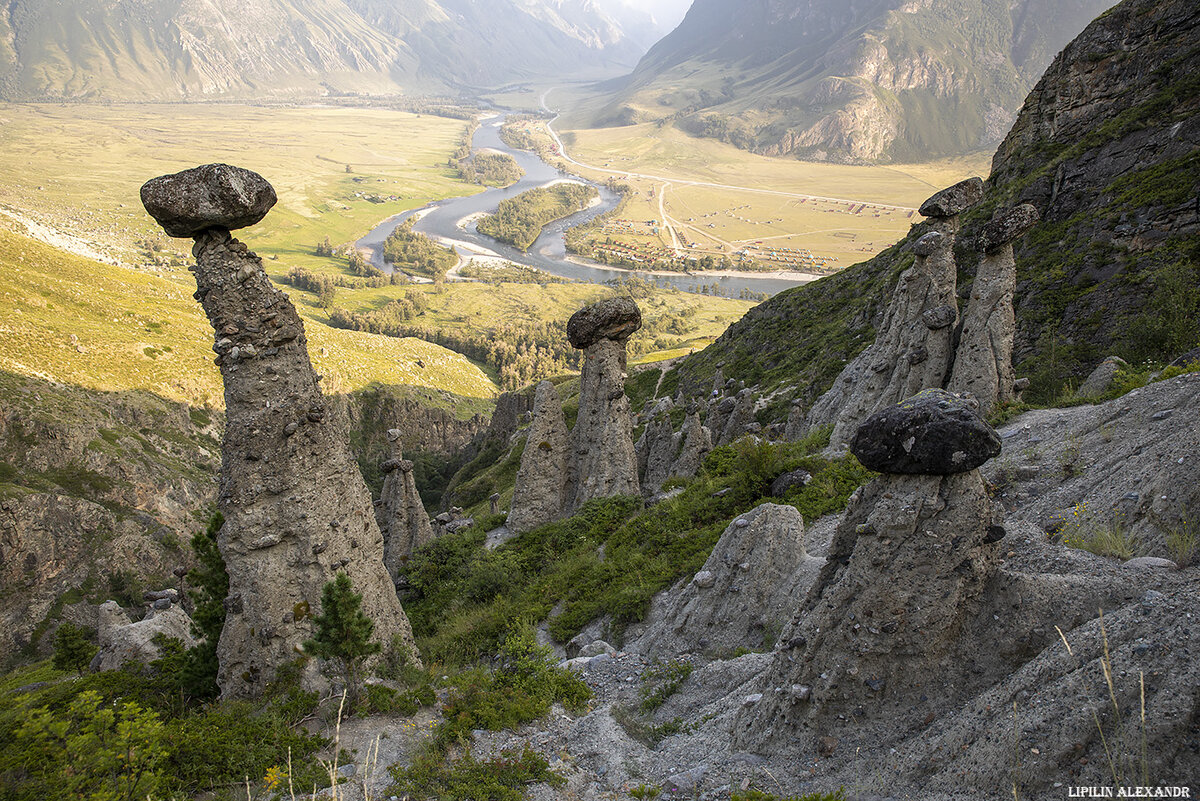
<point>192,49</point>
<point>866,81</point>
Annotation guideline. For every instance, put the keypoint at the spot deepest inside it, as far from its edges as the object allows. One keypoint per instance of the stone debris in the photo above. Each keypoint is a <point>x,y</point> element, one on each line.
<point>538,496</point>
<point>212,196</point>
<point>296,509</point>
<point>983,365</point>
<point>601,461</point>
<point>743,594</point>
<point>402,518</point>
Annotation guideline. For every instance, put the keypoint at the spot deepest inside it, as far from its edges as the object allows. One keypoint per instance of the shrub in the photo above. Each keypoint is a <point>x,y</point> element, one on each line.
<point>467,779</point>
<point>92,750</point>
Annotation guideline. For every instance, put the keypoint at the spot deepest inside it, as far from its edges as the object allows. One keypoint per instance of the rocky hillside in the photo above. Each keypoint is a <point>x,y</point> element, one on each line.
<point>863,81</point>
<point>1107,147</point>
<point>195,50</point>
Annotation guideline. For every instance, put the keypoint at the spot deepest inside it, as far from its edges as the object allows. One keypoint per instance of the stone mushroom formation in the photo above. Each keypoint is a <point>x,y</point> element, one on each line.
<point>296,509</point>
<point>921,343</point>
<point>399,511</point>
<point>562,471</point>
<point>879,634</point>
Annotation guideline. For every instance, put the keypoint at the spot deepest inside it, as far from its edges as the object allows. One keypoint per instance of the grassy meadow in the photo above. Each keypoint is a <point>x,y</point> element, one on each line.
<point>71,320</point>
<point>79,167</point>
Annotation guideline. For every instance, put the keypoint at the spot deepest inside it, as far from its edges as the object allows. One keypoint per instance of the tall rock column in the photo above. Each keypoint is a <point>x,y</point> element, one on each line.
<point>297,511</point>
<point>876,644</point>
<point>914,347</point>
<point>602,461</point>
<point>542,478</point>
<point>402,518</point>
<point>983,364</point>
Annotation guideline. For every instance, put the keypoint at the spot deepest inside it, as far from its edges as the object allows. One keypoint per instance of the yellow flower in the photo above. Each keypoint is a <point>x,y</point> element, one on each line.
<point>275,777</point>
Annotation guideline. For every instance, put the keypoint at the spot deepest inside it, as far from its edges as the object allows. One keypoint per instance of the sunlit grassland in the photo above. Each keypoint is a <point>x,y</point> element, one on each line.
<point>136,330</point>
<point>79,167</point>
<point>724,219</point>
<point>471,305</point>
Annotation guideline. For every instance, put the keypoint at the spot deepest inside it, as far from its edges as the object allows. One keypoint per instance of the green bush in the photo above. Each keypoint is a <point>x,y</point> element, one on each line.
<point>467,779</point>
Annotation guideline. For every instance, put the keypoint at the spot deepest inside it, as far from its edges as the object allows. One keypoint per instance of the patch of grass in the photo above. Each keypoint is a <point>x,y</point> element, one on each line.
<point>660,681</point>
<point>1183,540</point>
<point>461,596</point>
<point>521,689</point>
<point>1109,536</point>
<point>759,795</point>
<point>503,778</point>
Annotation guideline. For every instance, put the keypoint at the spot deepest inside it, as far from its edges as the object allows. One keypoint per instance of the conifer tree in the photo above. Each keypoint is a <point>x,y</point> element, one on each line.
<point>343,632</point>
<point>72,650</point>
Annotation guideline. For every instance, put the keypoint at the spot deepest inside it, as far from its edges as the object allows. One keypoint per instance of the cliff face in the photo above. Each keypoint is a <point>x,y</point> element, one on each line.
<point>99,495</point>
<point>864,80</point>
<point>1107,148</point>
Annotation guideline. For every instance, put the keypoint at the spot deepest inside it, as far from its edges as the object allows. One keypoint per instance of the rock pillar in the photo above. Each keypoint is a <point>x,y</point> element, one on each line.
<point>873,648</point>
<point>983,364</point>
<point>541,480</point>
<point>914,347</point>
<point>602,462</point>
<point>297,511</point>
<point>402,518</point>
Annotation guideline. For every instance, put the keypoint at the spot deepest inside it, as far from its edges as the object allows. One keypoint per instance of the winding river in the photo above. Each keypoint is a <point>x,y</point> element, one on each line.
<point>441,220</point>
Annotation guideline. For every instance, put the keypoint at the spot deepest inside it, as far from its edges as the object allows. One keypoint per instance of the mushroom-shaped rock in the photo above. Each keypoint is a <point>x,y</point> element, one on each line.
<point>615,319</point>
<point>934,432</point>
<point>954,199</point>
<point>212,196</point>
<point>1007,225</point>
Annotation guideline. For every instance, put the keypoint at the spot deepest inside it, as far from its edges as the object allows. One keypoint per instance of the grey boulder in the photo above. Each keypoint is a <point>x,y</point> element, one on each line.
<point>954,199</point>
<point>211,196</point>
<point>934,432</point>
<point>615,319</point>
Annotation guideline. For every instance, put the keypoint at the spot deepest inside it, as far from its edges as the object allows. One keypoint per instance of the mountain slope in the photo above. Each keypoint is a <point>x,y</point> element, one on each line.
<point>1108,148</point>
<point>199,49</point>
<point>867,80</point>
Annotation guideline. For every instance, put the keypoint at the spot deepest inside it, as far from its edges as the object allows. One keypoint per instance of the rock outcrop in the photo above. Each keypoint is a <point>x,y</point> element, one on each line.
<point>124,643</point>
<point>296,508</point>
<point>662,445</point>
<point>744,593</point>
<point>877,636</point>
<point>697,442</point>
<point>602,462</point>
<point>741,416</point>
<point>915,345</point>
<point>983,364</point>
<point>542,478</point>
<point>402,518</point>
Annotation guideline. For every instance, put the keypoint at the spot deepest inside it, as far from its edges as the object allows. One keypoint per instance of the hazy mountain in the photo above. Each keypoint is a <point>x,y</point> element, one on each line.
<point>851,80</point>
<point>168,49</point>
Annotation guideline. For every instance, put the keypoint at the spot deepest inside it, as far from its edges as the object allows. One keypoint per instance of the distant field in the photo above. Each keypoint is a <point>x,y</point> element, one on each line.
<point>79,167</point>
<point>72,320</point>
<point>855,223</point>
